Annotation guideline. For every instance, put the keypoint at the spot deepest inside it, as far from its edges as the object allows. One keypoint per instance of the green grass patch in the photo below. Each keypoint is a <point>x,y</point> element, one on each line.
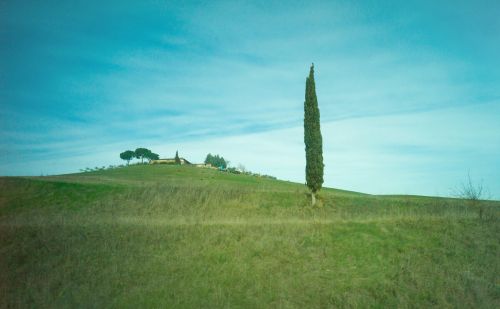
<point>184,237</point>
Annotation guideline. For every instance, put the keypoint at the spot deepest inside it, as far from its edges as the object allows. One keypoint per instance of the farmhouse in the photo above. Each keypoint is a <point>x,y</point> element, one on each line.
<point>169,161</point>
<point>204,165</point>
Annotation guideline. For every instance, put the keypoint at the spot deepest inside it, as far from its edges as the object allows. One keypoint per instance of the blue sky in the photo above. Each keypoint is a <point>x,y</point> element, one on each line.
<point>408,90</point>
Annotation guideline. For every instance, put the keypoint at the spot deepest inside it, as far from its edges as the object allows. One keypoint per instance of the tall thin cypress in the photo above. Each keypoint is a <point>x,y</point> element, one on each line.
<point>312,138</point>
<point>177,159</point>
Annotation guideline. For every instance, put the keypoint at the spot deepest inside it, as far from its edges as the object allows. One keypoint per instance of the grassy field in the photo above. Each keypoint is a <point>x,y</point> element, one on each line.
<point>182,237</point>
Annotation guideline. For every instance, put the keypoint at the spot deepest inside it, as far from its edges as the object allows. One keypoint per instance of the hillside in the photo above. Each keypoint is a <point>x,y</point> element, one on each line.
<point>184,237</point>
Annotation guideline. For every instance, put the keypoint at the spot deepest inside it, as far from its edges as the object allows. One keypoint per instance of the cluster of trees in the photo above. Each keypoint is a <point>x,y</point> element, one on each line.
<point>216,161</point>
<point>139,153</point>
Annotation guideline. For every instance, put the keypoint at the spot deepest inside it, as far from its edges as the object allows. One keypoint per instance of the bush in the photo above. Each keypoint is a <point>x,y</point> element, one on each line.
<point>233,170</point>
<point>473,193</point>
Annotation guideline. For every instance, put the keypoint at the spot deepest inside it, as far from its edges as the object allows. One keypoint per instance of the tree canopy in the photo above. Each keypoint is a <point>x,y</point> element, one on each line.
<point>127,155</point>
<point>141,153</point>
<point>152,156</point>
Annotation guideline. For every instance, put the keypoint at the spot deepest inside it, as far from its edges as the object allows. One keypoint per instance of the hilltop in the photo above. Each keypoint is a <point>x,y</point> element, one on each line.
<point>181,236</point>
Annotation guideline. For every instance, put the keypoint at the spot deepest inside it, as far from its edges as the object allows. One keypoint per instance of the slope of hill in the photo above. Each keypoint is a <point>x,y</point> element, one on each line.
<point>178,236</point>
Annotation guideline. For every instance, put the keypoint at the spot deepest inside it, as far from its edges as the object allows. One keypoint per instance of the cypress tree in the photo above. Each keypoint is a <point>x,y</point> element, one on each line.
<point>177,159</point>
<point>312,138</point>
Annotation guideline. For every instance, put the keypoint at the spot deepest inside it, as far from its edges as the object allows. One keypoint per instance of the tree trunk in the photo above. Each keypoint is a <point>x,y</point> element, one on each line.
<point>313,198</point>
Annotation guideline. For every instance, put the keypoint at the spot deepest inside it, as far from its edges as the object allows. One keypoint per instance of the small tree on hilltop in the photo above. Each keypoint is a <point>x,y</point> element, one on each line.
<point>312,138</point>
<point>177,159</point>
<point>127,155</point>
<point>141,153</point>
